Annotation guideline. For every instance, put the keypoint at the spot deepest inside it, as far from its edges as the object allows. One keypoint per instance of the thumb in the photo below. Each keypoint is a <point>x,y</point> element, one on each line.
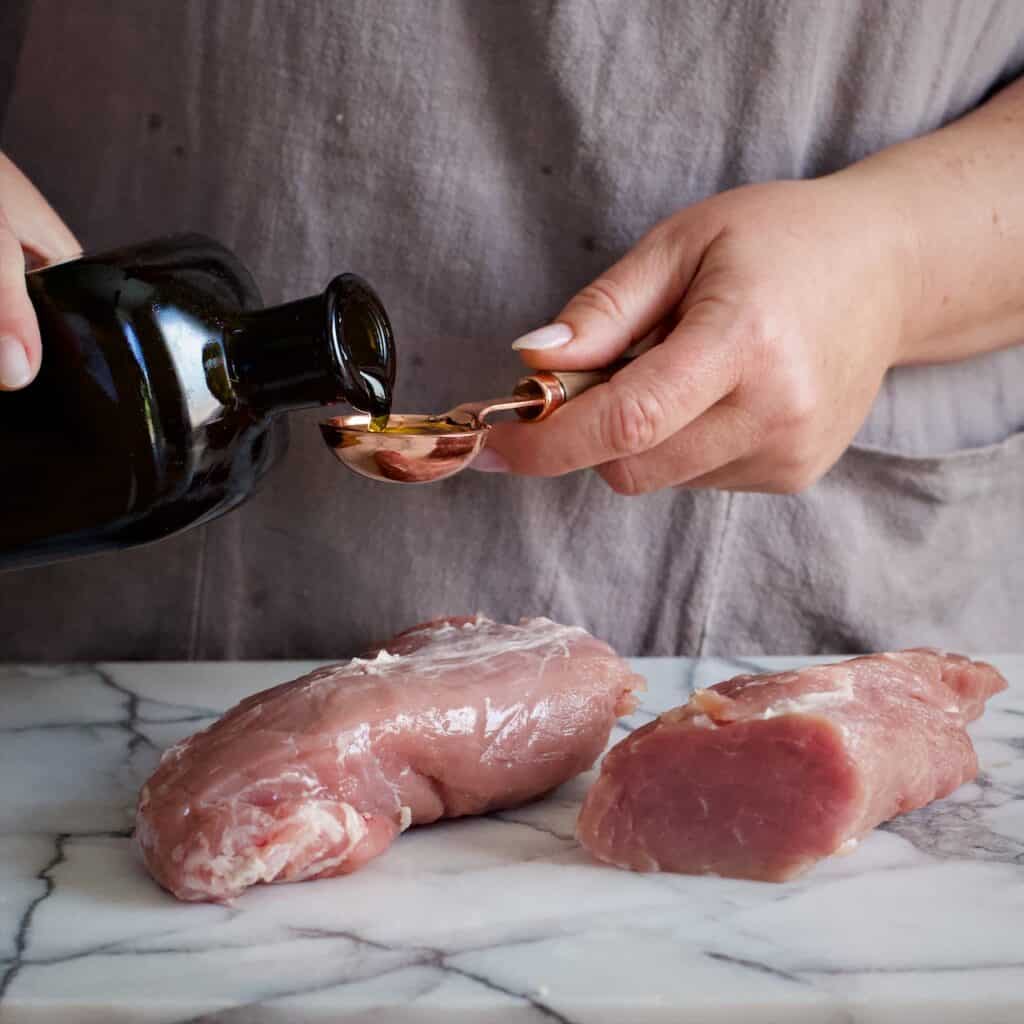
<point>624,304</point>
<point>28,224</point>
<point>19,332</point>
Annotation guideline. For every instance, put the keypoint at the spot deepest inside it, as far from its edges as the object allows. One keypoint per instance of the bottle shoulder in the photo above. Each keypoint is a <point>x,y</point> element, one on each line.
<point>193,268</point>
<point>133,353</point>
<point>132,430</point>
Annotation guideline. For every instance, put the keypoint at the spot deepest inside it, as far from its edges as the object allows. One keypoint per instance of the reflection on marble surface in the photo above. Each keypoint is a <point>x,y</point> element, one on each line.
<point>499,919</point>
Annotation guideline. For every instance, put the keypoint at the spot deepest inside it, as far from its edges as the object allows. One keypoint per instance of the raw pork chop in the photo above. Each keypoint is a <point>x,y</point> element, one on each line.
<point>761,776</point>
<point>317,776</point>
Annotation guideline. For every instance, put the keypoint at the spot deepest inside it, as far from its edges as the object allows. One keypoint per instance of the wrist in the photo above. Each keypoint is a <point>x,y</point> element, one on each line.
<point>888,267</point>
<point>951,204</point>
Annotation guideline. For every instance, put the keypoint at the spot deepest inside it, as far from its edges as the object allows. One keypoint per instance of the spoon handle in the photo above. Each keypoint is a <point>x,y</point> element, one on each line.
<point>556,387</point>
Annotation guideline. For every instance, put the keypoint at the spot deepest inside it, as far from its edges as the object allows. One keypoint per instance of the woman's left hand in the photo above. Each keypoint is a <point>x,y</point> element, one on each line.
<point>781,307</point>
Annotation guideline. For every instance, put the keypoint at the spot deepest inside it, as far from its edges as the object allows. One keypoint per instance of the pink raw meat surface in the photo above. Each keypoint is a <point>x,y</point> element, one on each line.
<point>315,777</point>
<point>761,776</point>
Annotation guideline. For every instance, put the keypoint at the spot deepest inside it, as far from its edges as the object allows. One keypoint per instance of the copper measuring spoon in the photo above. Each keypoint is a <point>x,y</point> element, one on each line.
<point>418,449</point>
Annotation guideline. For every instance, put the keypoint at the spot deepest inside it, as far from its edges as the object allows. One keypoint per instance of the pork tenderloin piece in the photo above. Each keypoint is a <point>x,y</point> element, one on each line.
<point>317,776</point>
<point>761,776</point>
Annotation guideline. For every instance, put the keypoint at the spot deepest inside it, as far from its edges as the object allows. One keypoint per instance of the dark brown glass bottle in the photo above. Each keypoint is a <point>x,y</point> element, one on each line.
<point>158,403</point>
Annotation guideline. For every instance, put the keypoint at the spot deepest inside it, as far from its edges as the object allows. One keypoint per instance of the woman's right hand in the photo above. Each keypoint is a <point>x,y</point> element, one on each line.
<point>31,234</point>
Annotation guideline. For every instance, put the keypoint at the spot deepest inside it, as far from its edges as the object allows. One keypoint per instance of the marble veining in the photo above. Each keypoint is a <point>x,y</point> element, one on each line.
<point>502,918</point>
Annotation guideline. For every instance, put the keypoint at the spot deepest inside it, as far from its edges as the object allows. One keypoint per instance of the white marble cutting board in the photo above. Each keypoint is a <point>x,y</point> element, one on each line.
<point>497,919</point>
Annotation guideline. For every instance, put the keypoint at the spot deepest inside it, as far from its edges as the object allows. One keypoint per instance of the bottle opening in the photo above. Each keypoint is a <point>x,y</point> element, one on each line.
<point>362,343</point>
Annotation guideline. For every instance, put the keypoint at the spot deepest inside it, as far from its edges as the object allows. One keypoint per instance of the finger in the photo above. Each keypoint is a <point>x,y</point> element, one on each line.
<point>736,477</point>
<point>762,476</point>
<point>29,227</point>
<point>34,222</point>
<point>624,304</point>
<point>718,438</point>
<point>19,332</point>
<point>645,403</point>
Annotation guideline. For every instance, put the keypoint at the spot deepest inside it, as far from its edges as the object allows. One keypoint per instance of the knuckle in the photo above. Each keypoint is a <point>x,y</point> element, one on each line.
<point>798,396</point>
<point>760,326</point>
<point>621,478</point>
<point>749,429</point>
<point>12,259</point>
<point>633,424</point>
<point>777,358</point>
<point>603,296</point>
<point>794,478</point>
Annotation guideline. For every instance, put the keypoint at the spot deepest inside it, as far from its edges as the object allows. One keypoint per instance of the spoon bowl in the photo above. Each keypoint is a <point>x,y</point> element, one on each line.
<point>413,449</point>
<point>419,449</point>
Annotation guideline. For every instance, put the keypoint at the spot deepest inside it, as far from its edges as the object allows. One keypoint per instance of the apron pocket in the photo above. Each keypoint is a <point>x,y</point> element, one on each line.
<point>886,551</point>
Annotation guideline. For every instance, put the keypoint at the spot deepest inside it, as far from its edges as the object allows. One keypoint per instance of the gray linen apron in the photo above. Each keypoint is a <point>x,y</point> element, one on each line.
<point>479,161</point>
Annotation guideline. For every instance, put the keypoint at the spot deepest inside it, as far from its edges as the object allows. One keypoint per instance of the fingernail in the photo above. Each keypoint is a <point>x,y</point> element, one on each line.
<point>15,371</point>
<point>550,336</point>
<point>489,461</point>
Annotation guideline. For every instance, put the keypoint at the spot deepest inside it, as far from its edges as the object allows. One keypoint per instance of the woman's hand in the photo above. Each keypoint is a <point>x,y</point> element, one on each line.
<point>31,234</point>
<point>781,307</point>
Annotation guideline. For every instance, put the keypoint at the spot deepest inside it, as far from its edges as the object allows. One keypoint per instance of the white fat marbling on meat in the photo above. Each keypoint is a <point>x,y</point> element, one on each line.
<point>296,777</point>
<point>174,752</point>
<point>225,873</point>
<point>321,823</point>
<point>376,665</point>
<point>238,865</point>
<point>466,644</point>
<point>811,702</point>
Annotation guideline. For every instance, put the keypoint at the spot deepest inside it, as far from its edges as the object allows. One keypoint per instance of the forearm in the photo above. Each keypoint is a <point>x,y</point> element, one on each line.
<point>955,202</point>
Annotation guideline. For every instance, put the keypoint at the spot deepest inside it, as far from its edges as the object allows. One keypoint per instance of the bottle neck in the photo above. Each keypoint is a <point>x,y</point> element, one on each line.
<point>328,348</point>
